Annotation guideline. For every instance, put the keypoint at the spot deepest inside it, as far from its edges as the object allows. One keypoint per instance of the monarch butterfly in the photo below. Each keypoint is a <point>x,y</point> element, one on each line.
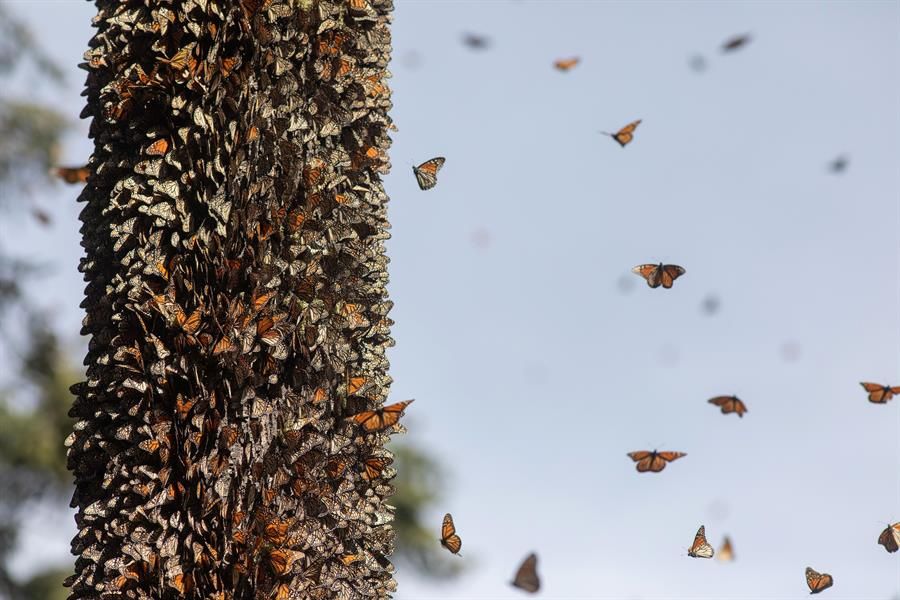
<point>564,64</point>
<point>475,41</point>
<point>71,174</point>
<point>382,418</point>
<point>426,173</point>
<point>653,461</point>
<point>729,404</point>
<point>449,539</point>
<point>880,394</point>
<point>818,581</point>
<point>838,165</point>
<point>660,274</point>
<point>890,537</point>
<point>624,135</point>
<point>373,466</point>
<point>726,552</point>
<point>526,577</point>
<point>738,41</point>
<point>701,548</point>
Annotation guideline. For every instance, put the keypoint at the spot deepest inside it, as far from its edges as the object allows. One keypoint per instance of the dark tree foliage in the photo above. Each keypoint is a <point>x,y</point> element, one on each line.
<point>233,227</point>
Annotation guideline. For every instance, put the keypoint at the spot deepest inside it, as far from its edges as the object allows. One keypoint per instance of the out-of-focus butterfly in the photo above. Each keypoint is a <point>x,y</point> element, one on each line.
<point>701,548</point>
<point>890,537</point>
<point>382,418</point>
<point>729,404</point>
<point>838,165</point>
<point>426,173</point>
<point>879,394</point>
<point>71,174</point>
<point>476,41</point>
<point>697,63</point>
<point>656,275</point>
<point>564,64</point>
<point>624,135</point>
<point>653,461</point>
<point>449,539</point>
<point>526,577</point>
<point>736,42</point>
<point>726,552</point>
<point>818,581</point>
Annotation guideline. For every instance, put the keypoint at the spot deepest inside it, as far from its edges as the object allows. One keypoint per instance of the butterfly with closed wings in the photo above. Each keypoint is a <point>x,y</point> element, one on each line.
<point>426,173</point>
<point>726,551</point>
<point>526,576</point>
<point>701,548</point>
<point>449,539</point>
<point>890,537</point>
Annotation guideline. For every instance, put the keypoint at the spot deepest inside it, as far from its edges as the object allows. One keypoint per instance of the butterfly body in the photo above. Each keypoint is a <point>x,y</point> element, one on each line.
<point>729,404</point>
<point>701,548</point>
<point>426,173</point>
<point>659,275</point>
<point>449,539</point>
<point>654,461</point>
<point>624,136</point>
<point>818,582</point>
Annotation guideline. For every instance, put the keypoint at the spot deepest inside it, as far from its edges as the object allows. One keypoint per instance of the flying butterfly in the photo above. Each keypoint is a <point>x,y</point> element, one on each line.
<point>382,418</point>
<point>838,165</point>
<point>624,135</point>
<point>660,274</point>
<point>71,174</point>
<point>526,577</point>
<point>476,41</point>
<point>449,539</point>
<point>818,582</point>
<point>653,461</point>
<point>426,173</point>
<point>729,404</point>
<point>726,552</point>
<point>890,537</point>
<point>879,394</point>
<point>736,42</point>
<point>701,548</point>
<point>564,64</point>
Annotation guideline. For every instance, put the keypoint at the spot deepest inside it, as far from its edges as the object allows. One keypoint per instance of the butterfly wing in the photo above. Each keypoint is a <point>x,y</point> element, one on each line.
<point>876,391</point>
<point>701,548</point>
<point>670,273</point>
<point>426,173</point>
<point>643,458</point>
<point>626,134</point>
<point>526,577</point>
<point>890,537</point>
<point>564,64</point>
<point>376,420</point>
<point>729,404</point>
<point>449,539</point>
<point>726,552</point>
<point>818,581</point>
<point>648,272</point>
<point>670,456</point>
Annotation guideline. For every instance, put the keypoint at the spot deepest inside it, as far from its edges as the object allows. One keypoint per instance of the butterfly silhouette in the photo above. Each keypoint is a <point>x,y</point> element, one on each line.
<point>526,577</point>
<point>736,42</point>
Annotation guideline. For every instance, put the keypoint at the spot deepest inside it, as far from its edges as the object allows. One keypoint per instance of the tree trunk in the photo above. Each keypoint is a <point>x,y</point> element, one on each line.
<point>236,303</point>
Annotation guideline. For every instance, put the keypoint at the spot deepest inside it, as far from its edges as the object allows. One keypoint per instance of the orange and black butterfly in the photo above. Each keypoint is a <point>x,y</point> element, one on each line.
<point>449,539</point>
<point>653,461</point>
<point>426,173</point>
<point>382,418</point>
<point>660,274</point>
<point>624,135</point>
<point>564,64</point>
<point>726,551</point>
<point>738,41</point>
<point>890,537</point>
<point>818,581</point>
<point>879,394</point>
<point>71,174</point>
<point>526,577</point>
<point>701,548</point>
<point>729,404</point>
<point>373,466</point>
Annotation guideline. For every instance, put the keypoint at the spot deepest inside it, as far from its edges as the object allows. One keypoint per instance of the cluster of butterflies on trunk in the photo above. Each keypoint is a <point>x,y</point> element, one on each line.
<point>656,275</point>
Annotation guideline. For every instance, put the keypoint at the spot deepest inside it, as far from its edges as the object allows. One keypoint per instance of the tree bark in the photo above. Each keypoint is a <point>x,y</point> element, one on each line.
<point>236,303</point>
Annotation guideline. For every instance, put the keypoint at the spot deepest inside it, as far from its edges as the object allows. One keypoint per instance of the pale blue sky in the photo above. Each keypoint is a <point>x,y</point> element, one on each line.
<point>534,373</point>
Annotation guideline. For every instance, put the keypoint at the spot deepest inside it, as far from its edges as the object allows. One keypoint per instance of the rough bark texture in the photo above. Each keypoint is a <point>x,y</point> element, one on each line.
<point>235,299</point>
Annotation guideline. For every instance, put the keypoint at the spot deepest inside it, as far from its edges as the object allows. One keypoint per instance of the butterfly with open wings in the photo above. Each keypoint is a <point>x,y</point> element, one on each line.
<point>653,461</point>
<point>660,274</point>
<point>624,135</point>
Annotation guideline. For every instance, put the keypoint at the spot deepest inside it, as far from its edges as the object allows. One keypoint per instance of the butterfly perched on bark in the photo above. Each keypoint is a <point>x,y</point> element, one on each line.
<point>890,537</point>
<point>624,135</point>
<point>426,173</point>
<point>701,548</point>
<point>564,64</point>
<point>729,404</point>
<point>818,581</point>
<point>656,275</point>
<point>726,552</point>
<point>382,418</point>
<point>449,539</point>
<point>526,577</point>
<point>879,394</point>
<point>653,461</point>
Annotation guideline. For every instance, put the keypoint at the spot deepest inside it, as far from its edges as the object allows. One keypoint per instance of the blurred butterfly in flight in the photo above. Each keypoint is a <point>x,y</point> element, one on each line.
<point>729,404</point>
<point>426,173</point>
<point>726,552</point>
<point>526,577</point>
<point>564,64</point>
<point>736,42</point>
<point>624,135</point>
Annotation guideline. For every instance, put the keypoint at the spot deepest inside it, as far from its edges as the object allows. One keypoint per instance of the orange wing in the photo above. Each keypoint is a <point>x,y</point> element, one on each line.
<point>649,272</point>
<point>426,173</point>
<point>879,394</point>
<point>624,135</point>
<point>890,537</point>
<point>376,420</point>
<point>526,577</point>
<point>726,552</point>
<point>449,539</point>
<point>729,404</point>
<point>71,174</point>
<point>701,548</point>
<point>653,461</point>
<point>670,273</point>
<point>564,64</point>
<point>373,466</point>
<point>818,581</point>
